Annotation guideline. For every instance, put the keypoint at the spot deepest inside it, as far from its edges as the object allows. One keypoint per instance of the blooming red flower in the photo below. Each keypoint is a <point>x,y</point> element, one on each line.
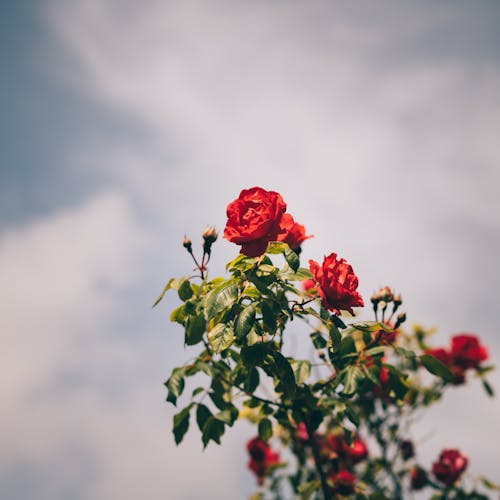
<point>302,434</point>
<point>356,451</point>
<point>262,458</point>
<point>384,337</point>
<point>450,466</point>
<point>294,234</point>
<point>336,284</point>
<point>467,352</point>
<point>343,482</point>
<point>254,220</point>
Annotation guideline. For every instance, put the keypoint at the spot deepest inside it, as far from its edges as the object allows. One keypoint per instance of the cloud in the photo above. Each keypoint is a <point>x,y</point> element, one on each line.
<point>381,134</point>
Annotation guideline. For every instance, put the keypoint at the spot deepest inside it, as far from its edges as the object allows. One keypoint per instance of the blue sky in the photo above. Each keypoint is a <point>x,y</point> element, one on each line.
<point>125,125</point>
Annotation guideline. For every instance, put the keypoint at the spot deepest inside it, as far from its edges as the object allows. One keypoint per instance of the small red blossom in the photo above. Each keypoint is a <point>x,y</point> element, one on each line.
<point>418,478</point>
<point>343,482</point>
<point>337,284</point>
<point>450,466</point>
<point>262,458</point>
<point>356,451</point>
<point>253,220</point>
<point>292,233</point>
<point>467,352</point>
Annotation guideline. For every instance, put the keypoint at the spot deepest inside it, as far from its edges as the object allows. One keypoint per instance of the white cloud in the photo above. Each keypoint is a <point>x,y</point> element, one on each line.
<point>388,156</point>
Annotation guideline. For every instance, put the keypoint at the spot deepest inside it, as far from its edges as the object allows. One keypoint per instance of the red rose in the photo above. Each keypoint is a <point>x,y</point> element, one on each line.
<point>384,337</point>
<point>262,458</point>
<point>294,234</point>
<point>336,283</point>
<point>254,220</point>
<point>343,482</point>
<point>357,451</point>
<point>450,466</point>
<point>467,352</point>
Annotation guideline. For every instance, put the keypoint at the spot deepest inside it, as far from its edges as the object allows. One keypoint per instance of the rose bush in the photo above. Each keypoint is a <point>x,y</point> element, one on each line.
<point>333,425</point>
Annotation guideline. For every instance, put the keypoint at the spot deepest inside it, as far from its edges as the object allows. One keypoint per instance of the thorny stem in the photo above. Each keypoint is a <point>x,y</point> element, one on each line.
<point>317,461</point>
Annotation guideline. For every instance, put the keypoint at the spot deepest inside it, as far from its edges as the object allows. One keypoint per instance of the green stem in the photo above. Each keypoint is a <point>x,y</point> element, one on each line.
<point>317,460</point>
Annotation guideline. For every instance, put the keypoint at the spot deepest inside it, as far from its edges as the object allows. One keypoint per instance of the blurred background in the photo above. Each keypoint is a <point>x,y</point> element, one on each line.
<point>125,125</point>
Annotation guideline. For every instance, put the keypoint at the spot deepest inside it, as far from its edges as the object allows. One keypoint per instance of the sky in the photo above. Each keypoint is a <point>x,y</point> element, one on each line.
<point>126,125</point>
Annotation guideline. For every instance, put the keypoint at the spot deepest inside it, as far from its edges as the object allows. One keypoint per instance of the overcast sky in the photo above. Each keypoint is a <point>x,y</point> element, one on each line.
<point>126,124</point>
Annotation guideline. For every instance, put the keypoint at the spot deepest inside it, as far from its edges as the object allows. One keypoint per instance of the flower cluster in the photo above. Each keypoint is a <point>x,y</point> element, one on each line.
<point>361,378</point>
<point>465,352</point>
<point>262,458</point>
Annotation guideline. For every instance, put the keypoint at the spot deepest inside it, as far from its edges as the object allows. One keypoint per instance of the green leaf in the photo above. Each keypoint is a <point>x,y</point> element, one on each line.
<point>164,291</point>
<point>212,430</point>
<point>269,317</point>
<point>202,415</point>
<point>335,337</point>
<point>487,387</point>
<point>181,424</point>
<point>195,329</point>
<point>252,380</point>
<point>221,337</point>
<point>179,314</point>
<point>434,366</point>
<point>306,490</point>
<point>352,378</point>
<point>175,384</point>
<point>227,416</point>
<point>292,259</point>
<point>352,415</point>
<point>220,298</point>
<point>185,291</point>
<point>285,375</point>
<point>347,346</point>
<point>276,247</point>
<point>300,275</point>
<point>265,429</point>
<point>245,321</point>
<point>318,341</point>
<point>372,326</point>
<point>197,391</point>
<point>301,370</point>
<point>255,354</point>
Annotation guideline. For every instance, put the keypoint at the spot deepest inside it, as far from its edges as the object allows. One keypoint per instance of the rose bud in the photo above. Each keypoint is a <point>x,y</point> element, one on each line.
<point>418,478</point>
<point>187,244</point>
<point>450,466</point>
<point>343,482</point>
<point>397,300</point>
<point>400,320</point>
<point>407,449</point>
<point>210,234</point>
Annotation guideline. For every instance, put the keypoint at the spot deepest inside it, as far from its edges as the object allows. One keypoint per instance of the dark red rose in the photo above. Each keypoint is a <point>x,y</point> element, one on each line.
<point>336,284</point>
<point>447,359</point>
<point>450,466</point>
<point>467,352</point>
<point>418,478</point>
<point>343,482</point>
<point>257,447</point>
<point>253,220</point>
<point>294,234</point>
<point>262,458</point>
<point>357,451</point>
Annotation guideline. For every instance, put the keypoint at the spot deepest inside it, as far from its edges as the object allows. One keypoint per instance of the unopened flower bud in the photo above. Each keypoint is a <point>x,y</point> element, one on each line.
<point>397,300</point>
<point>400,320</point>
<point>186,243</point>
<point>210,234</point>
<point>418,478</point>
<point>407,449</point>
